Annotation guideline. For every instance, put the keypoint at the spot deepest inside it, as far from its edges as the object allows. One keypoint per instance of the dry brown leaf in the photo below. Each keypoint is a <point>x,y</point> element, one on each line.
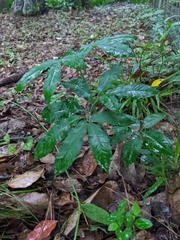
<point>26,179</point>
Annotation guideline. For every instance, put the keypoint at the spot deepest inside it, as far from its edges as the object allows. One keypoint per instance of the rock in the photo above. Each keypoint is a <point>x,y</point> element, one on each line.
<point>28,7</point>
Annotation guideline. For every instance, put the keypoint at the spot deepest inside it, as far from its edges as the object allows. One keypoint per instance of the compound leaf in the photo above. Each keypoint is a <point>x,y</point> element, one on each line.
<point>80,87</point>
<point>34,73</point>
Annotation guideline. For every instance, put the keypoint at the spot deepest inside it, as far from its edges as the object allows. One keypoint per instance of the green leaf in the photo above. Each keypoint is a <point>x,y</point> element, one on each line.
<point>134,90</point>
<point>157,143</point>
<point>34,73</point>
<point>105,117</point>
<point>95,213</point>
<point>126,120</point>
<point>50,83</point>
<point>70,148</point>
<point>120,134</point>
<point>151,120</point>
<point>129,217</point>
<point>132,149</point>
<point>28,145</point>
<point>154,187</point>
<point>143,223</point>
<point>61,109</point>
<point>114,45</point>
<point>113,226</point>
<point>109,77</point>
<point>135,209</point>
<point>110,101</point>
<point>76,59</point>
<point>100,146</point>
<point>56,134</point>
<point>80,87</point>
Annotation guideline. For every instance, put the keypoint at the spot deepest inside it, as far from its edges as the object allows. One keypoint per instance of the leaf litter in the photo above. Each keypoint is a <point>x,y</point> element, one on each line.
<point>27,43</point>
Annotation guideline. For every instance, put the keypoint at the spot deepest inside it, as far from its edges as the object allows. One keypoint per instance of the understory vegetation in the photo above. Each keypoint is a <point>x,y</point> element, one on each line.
<point>115,106</point>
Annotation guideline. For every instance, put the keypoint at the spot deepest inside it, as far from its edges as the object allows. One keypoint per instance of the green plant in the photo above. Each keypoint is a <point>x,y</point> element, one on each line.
<point>121,222</point>
<point>72,121</point>
<point>100,2</point>
<point>59,4</point>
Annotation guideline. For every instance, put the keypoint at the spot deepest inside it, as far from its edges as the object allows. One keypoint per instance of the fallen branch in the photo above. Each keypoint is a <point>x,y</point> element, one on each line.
<point>12,79</point>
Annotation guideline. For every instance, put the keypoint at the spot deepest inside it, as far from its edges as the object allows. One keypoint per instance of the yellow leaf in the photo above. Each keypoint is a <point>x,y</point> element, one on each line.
<point>157,82</point>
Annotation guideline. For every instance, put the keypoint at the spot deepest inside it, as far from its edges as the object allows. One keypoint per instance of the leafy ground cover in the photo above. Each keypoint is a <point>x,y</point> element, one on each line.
<point>33,198</point>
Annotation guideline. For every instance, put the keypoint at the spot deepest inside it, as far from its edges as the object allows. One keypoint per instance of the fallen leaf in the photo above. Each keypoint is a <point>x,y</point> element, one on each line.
<point>42,230</point>
<point>157,82</point>
<point>26,179</point>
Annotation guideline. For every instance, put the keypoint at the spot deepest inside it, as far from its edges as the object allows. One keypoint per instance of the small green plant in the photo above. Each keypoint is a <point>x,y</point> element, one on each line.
<point>100,2</point>
<point>59,4</point>
<point>122,222</point>
<point>72,121</point>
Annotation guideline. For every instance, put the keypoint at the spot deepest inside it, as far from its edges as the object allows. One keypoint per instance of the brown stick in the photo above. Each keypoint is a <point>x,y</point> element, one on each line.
<point>12,79</point>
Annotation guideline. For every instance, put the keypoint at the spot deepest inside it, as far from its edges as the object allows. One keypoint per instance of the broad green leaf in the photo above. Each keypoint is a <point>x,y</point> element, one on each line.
<point>61,109</point>
<point>129,218</point>
<point>95,213</point>
<point>143,223</point>
<point>50,83</point>
<point>110,101</point>
<point>105,117</point>
<point>70,148</point>
<point>34,73</point>
<point>28,145</point>
<point>80,87</point>
<point>109,77</point>
<point>128,121</point>
<point>114,45</point>
<point>76,59</point>
<point>56,134</point>
<point>135,209</point>
<point>158,143</point>
<point>134,90</point>
<point>122,206</point>
<point>151,120</point>
<point>132,149</point>
<point>154,187</point>
<point>100,146</point>
<point>120,134</point>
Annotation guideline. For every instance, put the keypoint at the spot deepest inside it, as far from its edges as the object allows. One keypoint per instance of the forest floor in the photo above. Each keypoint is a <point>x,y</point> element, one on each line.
<point>26,41</point>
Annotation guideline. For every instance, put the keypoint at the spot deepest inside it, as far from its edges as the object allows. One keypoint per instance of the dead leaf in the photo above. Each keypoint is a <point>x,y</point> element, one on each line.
<point>34,198</point>
<point>88,164</point>
<point>26,179</point>
<point>42,230</point>
<point>50,158</point>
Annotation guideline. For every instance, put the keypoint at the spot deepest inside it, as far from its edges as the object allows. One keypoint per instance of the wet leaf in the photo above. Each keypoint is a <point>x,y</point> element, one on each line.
<point>151,120</point>
<point>100,146</point>
<point>158,143</point>
<point>134,90</point>
<point>57,133</point>
<point>143,223</point>
<point>70,148</point>
<point>114,45</point>
<point>110,101</point>
<point>26,179</point>
<point>120,134</point>
<point>80,87</point>
<point>51,81</point>
<point>132,149</point>
<point>42,230</point>
<point>34,73</point>
<point>61,109</point>
<point>74,60</point>
<point>95,213</point>
<point>106,117</point>
<point>109,77</point>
